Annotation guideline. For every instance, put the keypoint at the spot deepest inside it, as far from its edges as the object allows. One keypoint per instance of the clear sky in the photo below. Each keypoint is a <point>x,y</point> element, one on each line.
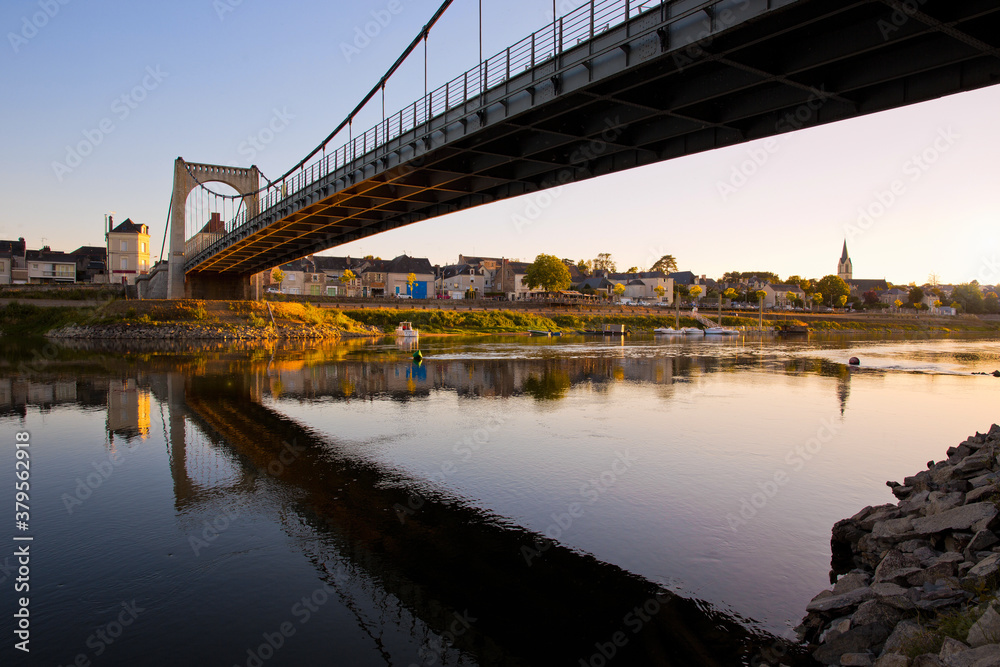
<point>139,84</point>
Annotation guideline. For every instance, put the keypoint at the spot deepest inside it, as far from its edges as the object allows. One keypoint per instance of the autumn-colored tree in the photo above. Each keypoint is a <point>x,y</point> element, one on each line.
<point>277,276</point>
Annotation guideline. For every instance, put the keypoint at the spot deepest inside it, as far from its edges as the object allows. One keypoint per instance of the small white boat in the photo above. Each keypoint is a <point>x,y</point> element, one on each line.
<point>692,331</point>
<point>406,330</point>
<point>721,331</point>
<point>666,331</point>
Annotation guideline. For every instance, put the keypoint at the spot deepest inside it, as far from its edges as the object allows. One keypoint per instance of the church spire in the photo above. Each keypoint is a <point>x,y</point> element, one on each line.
<point>845,268</point>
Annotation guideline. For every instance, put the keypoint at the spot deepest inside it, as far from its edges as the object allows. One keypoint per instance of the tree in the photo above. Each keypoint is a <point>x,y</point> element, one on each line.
<point>969,297</point>
<point>660,291</point>
<point>410,279</point>
<point>277,276</point>
<point>619,290</point>
<point>898,304</point>
<point>633,269</point>
<point>870,297</point>
<point>916,295</point>
<point>817,298</point>
<point>584,267</point>
<point>991,303</point>
<point>547,272</point>
<point>730,294</point>
<point>667,264</point>
<point>842,300</point>
<point>346,277</point>
<point>762,276</point>
<point>832,288</point>
<point>695,292</point>
<point>603,262</point>
<point>760,294</point>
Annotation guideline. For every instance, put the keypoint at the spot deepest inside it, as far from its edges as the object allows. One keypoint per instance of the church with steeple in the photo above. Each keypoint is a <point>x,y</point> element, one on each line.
<point>845,269</point>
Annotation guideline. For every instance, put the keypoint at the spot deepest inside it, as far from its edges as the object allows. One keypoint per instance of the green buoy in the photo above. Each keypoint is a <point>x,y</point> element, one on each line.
<point>417,356</point>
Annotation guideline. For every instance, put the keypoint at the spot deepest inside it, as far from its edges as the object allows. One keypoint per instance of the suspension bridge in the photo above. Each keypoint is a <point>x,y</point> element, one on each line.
<point>611,85</point>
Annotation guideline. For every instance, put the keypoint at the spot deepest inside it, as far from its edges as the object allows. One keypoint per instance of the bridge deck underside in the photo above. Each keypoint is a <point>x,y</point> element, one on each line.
<point>808,63</point>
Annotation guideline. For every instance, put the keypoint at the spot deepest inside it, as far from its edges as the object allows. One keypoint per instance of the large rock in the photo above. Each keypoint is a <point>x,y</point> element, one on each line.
<point>983,656</point>
<point>950,647</point>
<point>927,660</point>
<point>860,639</point>
<point>834,603</point>
<point>986,630</point>
<point>987,568</point>
<point>981,541</point>
<point>850,582</point>
<point>976,515</point>
<point>942,502</point>
<point>877,612</point>
<point>971,466</point>
<point>894,530</point>
<point>895,564</point>
<point>903,636</point>
<point>857,660</point>
<point>984,490</point>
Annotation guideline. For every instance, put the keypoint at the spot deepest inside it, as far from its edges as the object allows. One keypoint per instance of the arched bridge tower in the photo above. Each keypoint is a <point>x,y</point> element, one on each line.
<point>188,176</point>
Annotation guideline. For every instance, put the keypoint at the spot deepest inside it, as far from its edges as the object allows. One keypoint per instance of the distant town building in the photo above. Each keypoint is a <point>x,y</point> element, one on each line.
<point>781,294</point>
<point>128,250</point>
<point>845,269</point>
<point>12,264</point>
<point>456,280</point>
<point>50,266</point>
<point>91,263</point>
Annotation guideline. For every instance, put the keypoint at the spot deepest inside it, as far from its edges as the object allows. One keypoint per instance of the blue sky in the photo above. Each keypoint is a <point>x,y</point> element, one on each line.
<point>143,83</point>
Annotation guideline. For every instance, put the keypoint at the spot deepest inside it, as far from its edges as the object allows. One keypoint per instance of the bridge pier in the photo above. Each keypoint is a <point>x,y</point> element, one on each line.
<point>188,176</point>
<point>218,286</point>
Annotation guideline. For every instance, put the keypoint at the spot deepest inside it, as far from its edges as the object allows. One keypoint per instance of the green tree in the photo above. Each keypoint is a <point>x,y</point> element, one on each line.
<point>584,267</point>
<point>730,294</point>
<point>969,297</point>
<point>761,295</point>
<point>667,264</point>
<point>633,269</point>
<point>603,262</point>
<point>991,303</point>
<point>832,288</point>
<point>842,300</point>
<point>547,272</point>
<point>277,276</point>
<point>817,298</point>
<point>916,294</point>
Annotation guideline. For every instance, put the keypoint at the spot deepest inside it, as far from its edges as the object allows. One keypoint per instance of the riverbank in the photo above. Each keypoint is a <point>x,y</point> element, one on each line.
<point>263,320</point>
<point>917,581</point>
<point>180,319</point>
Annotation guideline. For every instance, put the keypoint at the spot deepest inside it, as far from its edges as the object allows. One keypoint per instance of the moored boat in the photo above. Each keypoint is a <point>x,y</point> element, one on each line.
<point>539,332</point>
<point>406,330</point>
<point>692,331</point>
<point>666,331</point>
<point>721,331</point>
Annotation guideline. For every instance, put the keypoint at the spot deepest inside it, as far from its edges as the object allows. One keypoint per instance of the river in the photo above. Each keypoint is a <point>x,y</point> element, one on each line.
<point>509,500</point>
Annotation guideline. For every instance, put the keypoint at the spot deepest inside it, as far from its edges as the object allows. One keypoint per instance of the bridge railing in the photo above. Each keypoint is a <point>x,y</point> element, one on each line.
<point>575,27</point>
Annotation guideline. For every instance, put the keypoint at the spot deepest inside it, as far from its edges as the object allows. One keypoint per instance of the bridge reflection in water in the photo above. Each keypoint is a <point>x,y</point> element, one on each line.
<point>427,564</point>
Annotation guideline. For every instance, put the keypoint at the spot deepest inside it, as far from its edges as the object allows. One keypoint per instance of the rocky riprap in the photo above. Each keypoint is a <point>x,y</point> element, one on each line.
<point>904,569</point>
<point>187,330</point>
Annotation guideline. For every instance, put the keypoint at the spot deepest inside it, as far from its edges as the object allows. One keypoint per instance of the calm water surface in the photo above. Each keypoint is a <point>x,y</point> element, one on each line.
<point>508,501</point>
